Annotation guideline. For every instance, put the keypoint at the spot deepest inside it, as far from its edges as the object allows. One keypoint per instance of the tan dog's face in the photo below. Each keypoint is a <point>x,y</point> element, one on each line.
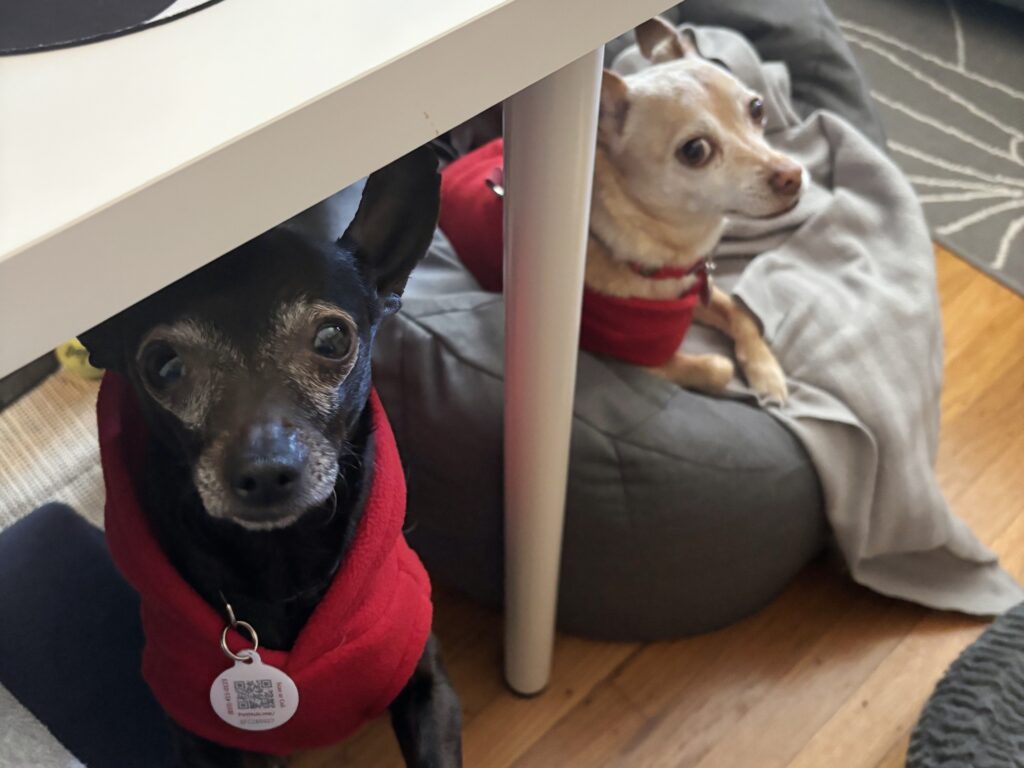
<point>688,138</point>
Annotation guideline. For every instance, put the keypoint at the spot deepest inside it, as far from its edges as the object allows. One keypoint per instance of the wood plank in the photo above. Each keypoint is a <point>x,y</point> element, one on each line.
<point>880,710</point>
<point>803,699</point>
<point>896,757</point>
<point>510,725</point>
<point>591,734</point>
<point>984,331</point>
<point>665,673</point>
<point>686,692</point>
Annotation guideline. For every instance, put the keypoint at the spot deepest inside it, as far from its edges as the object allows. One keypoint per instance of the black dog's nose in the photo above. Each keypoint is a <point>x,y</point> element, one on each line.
<point>265,484</point>
<point>267,467</point>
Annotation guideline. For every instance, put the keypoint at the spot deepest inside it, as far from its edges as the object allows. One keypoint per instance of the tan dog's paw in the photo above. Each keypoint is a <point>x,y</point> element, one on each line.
<point>765,377</point>
<point>718,371</point>
<point>707,373</point>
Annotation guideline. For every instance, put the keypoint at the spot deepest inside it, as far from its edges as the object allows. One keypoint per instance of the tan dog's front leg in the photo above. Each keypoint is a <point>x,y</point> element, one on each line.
<point>761,369</point>
<point>706,373</point>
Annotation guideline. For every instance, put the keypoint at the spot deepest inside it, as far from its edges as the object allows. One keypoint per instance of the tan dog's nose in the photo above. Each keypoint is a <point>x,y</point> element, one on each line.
<point>786,180</point>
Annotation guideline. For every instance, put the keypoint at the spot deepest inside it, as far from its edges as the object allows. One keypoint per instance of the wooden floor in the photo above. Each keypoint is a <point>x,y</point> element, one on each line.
<point>828,676</point>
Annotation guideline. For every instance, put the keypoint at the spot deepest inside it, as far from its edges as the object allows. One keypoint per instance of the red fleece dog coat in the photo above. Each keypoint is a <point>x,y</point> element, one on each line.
<point>639,331</point>
<point>356,652</point>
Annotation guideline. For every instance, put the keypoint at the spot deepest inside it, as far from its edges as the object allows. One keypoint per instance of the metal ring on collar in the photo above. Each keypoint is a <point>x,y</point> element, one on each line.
<point>239,625</point>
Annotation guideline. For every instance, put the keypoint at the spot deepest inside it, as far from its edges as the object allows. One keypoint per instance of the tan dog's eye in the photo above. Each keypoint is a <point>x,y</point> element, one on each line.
<point>757,110</point>
<point>695,152</point>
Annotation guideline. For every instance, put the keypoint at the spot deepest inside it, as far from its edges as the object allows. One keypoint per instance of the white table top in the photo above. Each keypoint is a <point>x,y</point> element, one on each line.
<point>128,163</point>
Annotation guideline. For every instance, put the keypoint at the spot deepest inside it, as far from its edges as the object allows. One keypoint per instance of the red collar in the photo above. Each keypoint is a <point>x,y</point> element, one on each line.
<point>356,652</point>
<point>702,267</point>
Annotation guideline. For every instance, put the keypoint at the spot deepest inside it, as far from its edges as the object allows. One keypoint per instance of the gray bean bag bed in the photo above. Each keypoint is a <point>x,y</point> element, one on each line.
<point>684,512</point>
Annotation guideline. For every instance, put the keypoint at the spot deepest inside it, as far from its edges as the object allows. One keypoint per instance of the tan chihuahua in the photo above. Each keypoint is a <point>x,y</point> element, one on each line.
<point>680,147</point>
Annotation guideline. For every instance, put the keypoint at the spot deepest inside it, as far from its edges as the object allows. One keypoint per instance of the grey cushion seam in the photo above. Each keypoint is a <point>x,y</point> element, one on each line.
<point>732,469</point>
<point>639,392</point>
<point>461,358</point>
<point>627,507</point>
<point>496,298</point>
<point>636,390</point>
<point>729,469</point>
<point>445,345</point>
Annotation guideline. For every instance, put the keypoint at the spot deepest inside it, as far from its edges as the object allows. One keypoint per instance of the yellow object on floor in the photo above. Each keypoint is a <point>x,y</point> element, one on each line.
<point>75,358</point>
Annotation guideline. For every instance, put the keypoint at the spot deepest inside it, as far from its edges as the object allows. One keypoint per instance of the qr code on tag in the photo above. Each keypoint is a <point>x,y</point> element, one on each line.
<point>254,694</point>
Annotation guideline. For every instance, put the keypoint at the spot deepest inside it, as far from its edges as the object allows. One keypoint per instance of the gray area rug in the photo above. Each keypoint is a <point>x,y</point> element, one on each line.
<point>975,717</point>
<point>948,76</point>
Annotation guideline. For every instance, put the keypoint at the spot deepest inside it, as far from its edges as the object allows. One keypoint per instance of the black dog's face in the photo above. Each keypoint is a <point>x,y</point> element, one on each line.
<point>256,368</point>
<point>259,374</point>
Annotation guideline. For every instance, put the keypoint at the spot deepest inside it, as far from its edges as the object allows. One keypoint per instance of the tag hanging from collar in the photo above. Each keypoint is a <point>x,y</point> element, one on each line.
<point>708,282</point>
<point>251,695</point>
<point>703,270</point>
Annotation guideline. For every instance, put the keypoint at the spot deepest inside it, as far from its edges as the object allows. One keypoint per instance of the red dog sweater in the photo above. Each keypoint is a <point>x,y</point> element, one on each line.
<point>639,331</point>
<point>356,652</point>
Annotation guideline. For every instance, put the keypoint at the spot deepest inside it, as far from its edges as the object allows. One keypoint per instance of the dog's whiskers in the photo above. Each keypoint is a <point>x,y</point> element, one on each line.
<point>334,508</point>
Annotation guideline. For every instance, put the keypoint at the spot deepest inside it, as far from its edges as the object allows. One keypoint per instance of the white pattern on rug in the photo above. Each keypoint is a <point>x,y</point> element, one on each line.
<point>963,156</point>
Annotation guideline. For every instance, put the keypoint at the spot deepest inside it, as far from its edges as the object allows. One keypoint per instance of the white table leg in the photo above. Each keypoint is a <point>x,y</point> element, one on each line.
<point>549,160</point>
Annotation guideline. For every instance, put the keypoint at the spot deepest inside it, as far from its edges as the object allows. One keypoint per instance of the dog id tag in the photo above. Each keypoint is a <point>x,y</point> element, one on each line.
<point>496,181</point>
<point>252,695</point>
<point>705,291</point>
<point>705,288</point>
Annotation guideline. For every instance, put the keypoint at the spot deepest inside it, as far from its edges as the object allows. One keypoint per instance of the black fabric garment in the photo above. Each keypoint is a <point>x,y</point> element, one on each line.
<point>71,642</point>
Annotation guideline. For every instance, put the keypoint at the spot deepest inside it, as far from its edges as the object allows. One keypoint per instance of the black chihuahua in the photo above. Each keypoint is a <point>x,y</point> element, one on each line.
<point>253,378</point>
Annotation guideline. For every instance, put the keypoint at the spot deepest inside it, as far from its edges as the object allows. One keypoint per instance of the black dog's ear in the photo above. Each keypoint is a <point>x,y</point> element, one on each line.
<point>105,344</point>
<point>395,222</point>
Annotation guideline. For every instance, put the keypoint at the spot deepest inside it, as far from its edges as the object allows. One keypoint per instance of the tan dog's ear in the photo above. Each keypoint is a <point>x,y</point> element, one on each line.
<point>614,107</point>
<point>659,41</point>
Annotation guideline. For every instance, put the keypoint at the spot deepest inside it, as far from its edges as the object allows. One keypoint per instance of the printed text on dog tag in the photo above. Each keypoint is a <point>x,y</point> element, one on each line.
<point>254,696</point>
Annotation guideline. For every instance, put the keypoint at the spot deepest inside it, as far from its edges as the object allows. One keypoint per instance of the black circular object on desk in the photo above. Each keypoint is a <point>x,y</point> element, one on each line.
<point>30,26</point>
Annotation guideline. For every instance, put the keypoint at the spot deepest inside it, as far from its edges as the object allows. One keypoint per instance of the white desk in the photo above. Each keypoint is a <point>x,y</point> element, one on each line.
<point>126,164</point>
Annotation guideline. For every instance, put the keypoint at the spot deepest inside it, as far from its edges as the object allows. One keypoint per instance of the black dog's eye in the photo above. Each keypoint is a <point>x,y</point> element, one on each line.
<point>162,366</point>
<point>757,110</point>
<point>332,340</point>
<point>695,152</point>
